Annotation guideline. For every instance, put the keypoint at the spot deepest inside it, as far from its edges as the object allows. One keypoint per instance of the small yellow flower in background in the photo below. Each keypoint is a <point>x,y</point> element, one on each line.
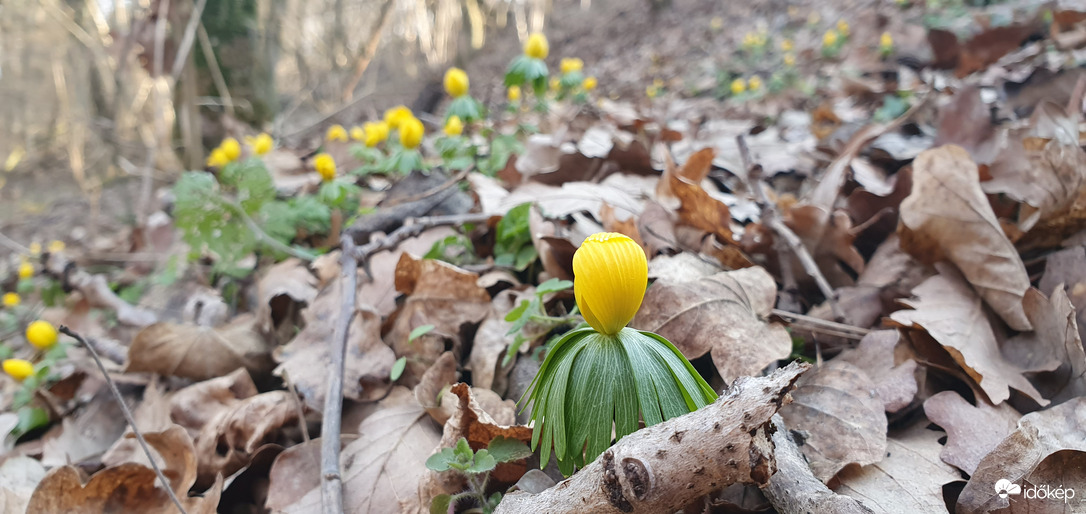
<point>358,133</point>
<point>793,11</point>
<point>411,132</point>
<point>336,133</point>
<point>26,270</point>
<point>886,44</point>
<point>786,45</point>
<point>376,131</point>
<point>652,91</point>
<point>35,248</point>
<point>537,47</point>
<point>18,369</point>
<point>829,38</point>
<point>610,274</point>
<point>217,158</point>
<point>397,115</point>
<point>11,300</point>
<point>41,334</point>
<point>749,39</point>
<point>814,18</point>
<point>571,64</point>
<point>453,126</point>
<point>555,83</point>
<point>789,60</point>
<point>842,28</point>
<point>738,86</point>
<point>755,83</point>
<point>231,148</point>
<point>261,144</point>
<point>56,246</point>
<point>716,23</point>
<point>325,166</point>
<point>456,82</point>
<point>589,83</point>
<point>513,93</point>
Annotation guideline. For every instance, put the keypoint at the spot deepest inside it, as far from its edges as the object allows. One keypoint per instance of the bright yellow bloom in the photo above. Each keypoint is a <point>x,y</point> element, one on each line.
<point>397,115</point>
<point>26,270</point>
<point>571,64</point>
<point>325,166</point>
<point>261,144</point>
<point>829,38</point>
<point>842,28</point>
<point>35,248</point>
<point>11,300</point>
<point>652,91</point>
<point>217,158</point>
<point>336,133</point>
<point>411,132</point>
<point>231,148</point>
<point>456,82</point>
<point>41,334</point>
<point>18,369</point>
<point>738,86</point>
<point>886,42</point>
<point>56,246</point>
<point>376,131</point>
<point>513,93</point>
<point>589,83</point>
<point>789,60</point>
<point>453,126</point>
<point>537,47</point>
<point>358,133</point>
<point>786,45</point>
<point>755,83</point>
<point>610,274</point>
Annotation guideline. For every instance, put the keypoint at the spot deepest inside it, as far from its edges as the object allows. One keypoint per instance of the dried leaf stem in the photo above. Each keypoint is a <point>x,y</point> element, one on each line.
<point>127,416</point>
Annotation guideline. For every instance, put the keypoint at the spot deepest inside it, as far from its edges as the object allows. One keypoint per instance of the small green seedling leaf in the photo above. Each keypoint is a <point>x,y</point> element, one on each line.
<point>517,311</point>
<point>482,463</point>
<point>553,285</point>
<point>441,460</point>
<point>504,449</point>
<point>440,504</point>
<point>419,331</point>
<point>397,368</point>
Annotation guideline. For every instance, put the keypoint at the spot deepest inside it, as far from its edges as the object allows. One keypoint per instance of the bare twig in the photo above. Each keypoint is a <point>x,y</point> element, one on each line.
<point>127,416</point>
<point>216,72</point>
<point>772,218</point>
<point>186,41</point>
<point>369,50</point>
<point>13,245</point>
<point>143,205</point>
<point>298,405</point>
<point>822,326</point>
<point>331,481</point>
<point>264,237</point>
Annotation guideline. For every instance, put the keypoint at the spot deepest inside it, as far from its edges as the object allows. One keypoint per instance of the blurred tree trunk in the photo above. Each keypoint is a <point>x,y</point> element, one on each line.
<point>245,36</point>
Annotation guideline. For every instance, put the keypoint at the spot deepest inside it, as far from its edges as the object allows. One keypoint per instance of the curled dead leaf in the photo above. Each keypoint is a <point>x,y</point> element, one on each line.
<point>200,353</point>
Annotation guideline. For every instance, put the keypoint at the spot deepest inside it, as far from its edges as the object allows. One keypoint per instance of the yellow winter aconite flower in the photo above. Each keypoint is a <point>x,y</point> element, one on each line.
<point>537,47</point>
<point>555,84</point>
<point>453,126</point>
<point>589,83</point>
<point>716,23</point>
<point>18,369</point>
<point>26,270</point>
<point>571,64</point>
<point>336,133</point>
<point>35,248</point>
<point>397,115</point>
<point>786,45</point>
<point>358,134</point>
<point>11,300</point>
<point>376,131</point>
<point>261,144</point>
<point>886,42</point>
<point>231,148</point>
<point>217,158</point>
<point>411,132</point>
<point>456,82</point>
<point>513,93</point>
<point>610,274</point>
<point>56,246</point>
<point>843,28</point>
<point>829,38</point>
<point>41,334</point>
<point>789,60</point>
<point>325,166</point>
<point>755,83</point>
<point>738,86</point>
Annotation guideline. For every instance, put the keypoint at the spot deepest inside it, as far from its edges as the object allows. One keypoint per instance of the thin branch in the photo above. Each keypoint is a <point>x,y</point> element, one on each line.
<point>13,245</point>
<point>772,218</point>
<point>216,72</point>
<point>822,326</point>
<point>127,416</point>
<point>331,481</point>
<point>186,41</point>
<point>298,406</point>
<point>272,242</point>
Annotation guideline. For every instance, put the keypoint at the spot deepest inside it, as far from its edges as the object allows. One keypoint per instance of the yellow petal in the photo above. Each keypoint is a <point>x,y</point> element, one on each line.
<point>537,46</point>
<point>456,82</point>
<point>19,369</point>
<point>610,275</point>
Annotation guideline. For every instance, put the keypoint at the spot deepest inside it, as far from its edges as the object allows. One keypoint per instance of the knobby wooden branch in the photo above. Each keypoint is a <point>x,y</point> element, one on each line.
<point>666,466</point>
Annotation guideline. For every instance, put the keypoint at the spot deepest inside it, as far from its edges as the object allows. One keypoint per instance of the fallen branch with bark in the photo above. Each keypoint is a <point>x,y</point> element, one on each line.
<point>666,466</point>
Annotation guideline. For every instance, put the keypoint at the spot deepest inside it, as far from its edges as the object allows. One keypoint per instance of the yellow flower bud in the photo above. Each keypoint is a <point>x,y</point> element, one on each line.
<point>261,144</point>
<point>18,369</point>
<point>358,134</point>
<point>217,158</point>
<point>513,93</point>
<point>755,83</point>
<point>397,115</point>
<point>886,41</point>
<point>738,86</point>
<point>453,126</point>
<point>26,270</point>
<point>56,246</point>
<point>325,166</point>
<point>336,133</point>
<point>456,82</point>
<point>231,148</point>
<point>411,132</point>
<point>11,300</point>
<point>571,64</point>
<point>41,334</point>
<point>786,45</point>
<point>789,60</point>
<point>537,47</point>
<point>589,83</point>
<point>556,83</point>
<point>842,28</point>
<point>829,38</point>
<point>35,248</point>
<point>716,23</point>
<point>610,275</point>
<point>376,131</point>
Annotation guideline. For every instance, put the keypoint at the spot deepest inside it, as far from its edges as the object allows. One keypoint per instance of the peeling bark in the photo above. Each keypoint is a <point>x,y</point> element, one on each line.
<point>666,466</point>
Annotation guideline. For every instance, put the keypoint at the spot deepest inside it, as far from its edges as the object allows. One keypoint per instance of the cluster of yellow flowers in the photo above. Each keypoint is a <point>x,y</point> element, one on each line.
<point>41,335</point>
<point>399,118</point>
<point>754,40</point>
<point>740,85</point>
<point>227,152</point>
